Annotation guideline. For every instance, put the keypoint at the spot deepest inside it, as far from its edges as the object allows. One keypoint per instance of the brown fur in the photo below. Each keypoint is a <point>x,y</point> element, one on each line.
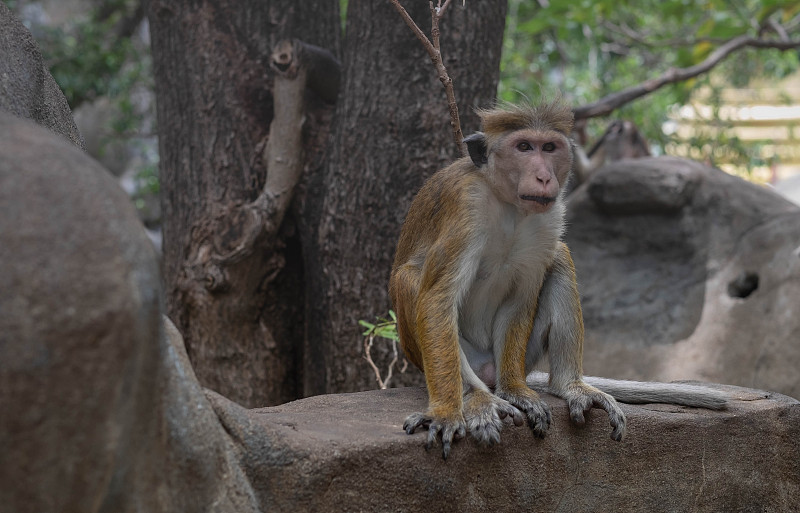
<point>509,118</point>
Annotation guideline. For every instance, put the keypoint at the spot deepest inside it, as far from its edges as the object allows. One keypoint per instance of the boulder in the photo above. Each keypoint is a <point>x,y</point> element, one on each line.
<point>100,411</point>
<point>348,452</point>
<point>27,88</point>
<point>686,272</point>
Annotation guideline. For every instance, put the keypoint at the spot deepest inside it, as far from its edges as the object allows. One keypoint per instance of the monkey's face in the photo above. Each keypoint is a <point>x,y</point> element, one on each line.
<point>528,167</point>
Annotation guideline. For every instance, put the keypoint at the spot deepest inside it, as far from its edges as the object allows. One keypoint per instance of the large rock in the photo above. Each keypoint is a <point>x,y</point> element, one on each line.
<point>98,411</point>
<point>27,88</point>
<point>686,272</point>
<point>348,452</point>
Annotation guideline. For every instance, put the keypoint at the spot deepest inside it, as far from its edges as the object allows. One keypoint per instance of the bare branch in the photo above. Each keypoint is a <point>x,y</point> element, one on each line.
<point>434,52</point>
<point>440,9</point>
<point>382,383</point>
<point>367,346</point>
<point>297,66</point>
<point>614,101</point>
<point>778,29</point>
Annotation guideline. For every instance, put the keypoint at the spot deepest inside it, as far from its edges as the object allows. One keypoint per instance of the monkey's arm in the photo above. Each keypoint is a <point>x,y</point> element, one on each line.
<point>558,329</point>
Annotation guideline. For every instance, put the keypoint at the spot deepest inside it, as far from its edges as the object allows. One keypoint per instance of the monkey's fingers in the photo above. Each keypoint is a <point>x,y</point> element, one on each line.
<point>616,418</point>
<point>485,424</point>
<point>536,411</point>
<point>506,409</point>
<point>539,419</point>
<point>618,433</point>
<point>450,431</point>
<point>433,431</point>
<point>580,404</point>
<point>416,420</point>
<point>578,407</point>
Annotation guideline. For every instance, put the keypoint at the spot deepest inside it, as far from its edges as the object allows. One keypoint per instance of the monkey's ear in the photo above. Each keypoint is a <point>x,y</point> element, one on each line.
<point>476,146</point>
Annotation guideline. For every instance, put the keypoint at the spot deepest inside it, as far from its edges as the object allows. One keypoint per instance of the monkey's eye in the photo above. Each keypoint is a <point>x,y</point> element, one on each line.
<point>524,146</point>
<point>549,147</point>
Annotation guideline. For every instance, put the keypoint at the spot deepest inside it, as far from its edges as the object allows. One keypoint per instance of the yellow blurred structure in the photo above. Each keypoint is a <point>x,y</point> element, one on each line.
<point>766,116</point>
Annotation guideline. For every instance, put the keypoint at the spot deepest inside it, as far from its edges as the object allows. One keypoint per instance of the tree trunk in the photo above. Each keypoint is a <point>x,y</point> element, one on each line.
<point>242,318</point>
<point>391,132</point>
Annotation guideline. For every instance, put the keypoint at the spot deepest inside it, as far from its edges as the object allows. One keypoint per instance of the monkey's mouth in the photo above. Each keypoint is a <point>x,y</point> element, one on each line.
<point>542,200</point>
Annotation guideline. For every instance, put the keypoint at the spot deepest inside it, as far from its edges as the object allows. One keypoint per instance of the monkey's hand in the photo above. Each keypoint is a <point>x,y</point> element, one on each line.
<point>484,414</point>
<point>536,410</point>
<point>450,428</point>
<point>581,398</point>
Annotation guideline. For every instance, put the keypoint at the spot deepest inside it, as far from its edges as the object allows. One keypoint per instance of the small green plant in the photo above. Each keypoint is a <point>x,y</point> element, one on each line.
<point>386,329</point>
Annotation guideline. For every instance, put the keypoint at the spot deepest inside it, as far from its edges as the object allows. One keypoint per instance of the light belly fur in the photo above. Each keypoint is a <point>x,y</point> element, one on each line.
<point>512,265</point>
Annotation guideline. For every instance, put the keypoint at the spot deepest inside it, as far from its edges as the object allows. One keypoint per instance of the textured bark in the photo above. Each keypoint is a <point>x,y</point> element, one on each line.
<point>391,131</point>
<point>242,320</point>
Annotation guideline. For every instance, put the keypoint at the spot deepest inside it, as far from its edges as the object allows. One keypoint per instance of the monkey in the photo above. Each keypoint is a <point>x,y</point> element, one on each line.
<point>483,286</point>
<point>621,140</point>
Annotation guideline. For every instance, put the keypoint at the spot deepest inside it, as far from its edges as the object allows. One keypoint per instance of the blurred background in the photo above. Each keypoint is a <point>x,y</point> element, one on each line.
<point>741,116</point>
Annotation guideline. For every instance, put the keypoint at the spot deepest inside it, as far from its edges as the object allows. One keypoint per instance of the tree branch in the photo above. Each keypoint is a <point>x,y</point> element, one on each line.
<point>297,67</point>
<point>434,52</point>
<point>616,100</point>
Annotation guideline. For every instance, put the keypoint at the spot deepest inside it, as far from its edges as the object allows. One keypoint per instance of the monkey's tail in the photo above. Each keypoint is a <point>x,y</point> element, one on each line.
<point>641,392</point>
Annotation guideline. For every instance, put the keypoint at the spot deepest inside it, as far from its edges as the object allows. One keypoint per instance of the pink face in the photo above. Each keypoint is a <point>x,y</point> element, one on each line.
<point>530,168</point>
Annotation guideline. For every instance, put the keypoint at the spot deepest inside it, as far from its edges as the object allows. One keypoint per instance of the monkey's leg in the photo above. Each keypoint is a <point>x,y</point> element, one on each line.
<point>437,339</point>
<point>515,326</point>
<point>483,411</point>
<point>558,328</point>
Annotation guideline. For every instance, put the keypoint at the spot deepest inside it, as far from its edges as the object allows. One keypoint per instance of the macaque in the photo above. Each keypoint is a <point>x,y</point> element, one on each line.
<point>483,286</point>
<point>621,140</point>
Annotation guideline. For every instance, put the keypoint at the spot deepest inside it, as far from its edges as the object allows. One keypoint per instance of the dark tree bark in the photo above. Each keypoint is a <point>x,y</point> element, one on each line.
<point>391,131</point>
<point>242,318</point>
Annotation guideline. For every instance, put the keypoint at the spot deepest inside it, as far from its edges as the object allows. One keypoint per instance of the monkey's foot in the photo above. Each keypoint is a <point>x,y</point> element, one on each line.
<point>450,428</point>
<point>484,414</point>
<point>581,398</point>
<point>536,410</point>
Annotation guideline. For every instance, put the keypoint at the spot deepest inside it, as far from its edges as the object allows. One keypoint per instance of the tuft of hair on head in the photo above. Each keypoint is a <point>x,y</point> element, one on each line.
<point>554,115</point>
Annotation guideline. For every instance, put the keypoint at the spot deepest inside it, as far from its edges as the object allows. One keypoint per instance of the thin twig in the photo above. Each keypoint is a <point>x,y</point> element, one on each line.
<point>382,383</point>
<point>367,346</point>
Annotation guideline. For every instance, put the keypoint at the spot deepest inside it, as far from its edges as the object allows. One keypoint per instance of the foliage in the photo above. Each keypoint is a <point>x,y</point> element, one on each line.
<point>95,55</point>
<point>384,328</point>
<point>590,48</point>
<point>343,15</point>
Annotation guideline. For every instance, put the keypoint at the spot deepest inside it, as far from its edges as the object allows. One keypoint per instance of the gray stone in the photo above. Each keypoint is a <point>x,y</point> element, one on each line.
<point>100,408</point>
<point>686,272</point>
<point>27,88</point>
<point>348,452</point>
